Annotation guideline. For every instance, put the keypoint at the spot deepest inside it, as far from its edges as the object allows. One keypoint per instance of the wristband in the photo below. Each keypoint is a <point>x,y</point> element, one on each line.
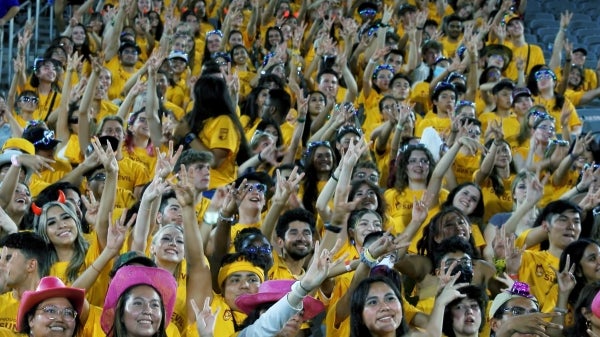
<point>365,259</point>
<point>260,159</point>
<point>301,120</point>
<point>420,28</point>
<point>334,177</point>
<point>332,228</point>
<point>14,159</point>
<point>347,265</point>
<point>369,256</point>
<point>399,127</point>
<point>561,310</point>
<point>189,138</point>
<point>515,277</point>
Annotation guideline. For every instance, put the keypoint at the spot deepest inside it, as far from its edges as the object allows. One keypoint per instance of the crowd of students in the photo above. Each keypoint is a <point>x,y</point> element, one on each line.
<point>296,168</point>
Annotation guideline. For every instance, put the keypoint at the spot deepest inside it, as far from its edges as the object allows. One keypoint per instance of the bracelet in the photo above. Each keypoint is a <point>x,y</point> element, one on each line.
<point>223,218</point>
<point>365,259</point>
<point>561,310</point>
<point>400,127</point>
<point>332,228</point>
<point>260,159</point>
<point>369,256</point>
<point>14,159</point>
<point>568,60</point>
<point>573,157</point>
<point>347,265</point>
<point>420,28</point>
<point>304,289</point>
<point>334,177</point>
<point>514,276</point>
<point>301,120</point>
<point>92,265</point>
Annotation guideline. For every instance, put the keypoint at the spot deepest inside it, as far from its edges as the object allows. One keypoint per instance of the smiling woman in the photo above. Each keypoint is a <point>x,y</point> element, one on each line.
<point>139,301</point>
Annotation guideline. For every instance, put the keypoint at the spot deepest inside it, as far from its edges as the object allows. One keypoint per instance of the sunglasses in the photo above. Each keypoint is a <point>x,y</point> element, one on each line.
<point>215,32</point>
<point>258,187</point>
<point>314,145</point>
<point>27,99</point>
<point>544,74</point>
<point>47,139</point>
<point>262,250</point>
<point>368,12</point>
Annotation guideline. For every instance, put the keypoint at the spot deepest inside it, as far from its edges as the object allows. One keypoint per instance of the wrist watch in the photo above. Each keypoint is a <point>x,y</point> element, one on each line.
<point>189,138</point>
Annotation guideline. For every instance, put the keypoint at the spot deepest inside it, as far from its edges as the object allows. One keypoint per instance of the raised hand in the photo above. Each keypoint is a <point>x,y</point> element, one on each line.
<point>184,188</point>
<point>205,318</point>
<point>165,162</point>
<point>566,278</point>
<point>450,291</point>
<point>285,187</point>
<point>117,231</point>
<point>91,207</point>
<point>106,157</point>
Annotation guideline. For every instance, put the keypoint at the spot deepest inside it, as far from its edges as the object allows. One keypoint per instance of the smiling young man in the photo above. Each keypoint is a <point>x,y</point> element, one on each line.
<point>294,242</point>
<point>561,220</point>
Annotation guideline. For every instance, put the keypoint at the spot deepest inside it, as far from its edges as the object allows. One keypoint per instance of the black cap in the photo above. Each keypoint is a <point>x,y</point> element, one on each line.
<point>40,137</point>
<point>347,129</point>
<point>407,8</point>
<point>581,50</point>
<point>503,84</point>
<point>129,258</point>
<point>442,86</point>
<point>366,5</point>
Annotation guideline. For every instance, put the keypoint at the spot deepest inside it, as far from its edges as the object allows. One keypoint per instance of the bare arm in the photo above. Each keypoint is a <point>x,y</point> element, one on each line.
<point>84,105</point>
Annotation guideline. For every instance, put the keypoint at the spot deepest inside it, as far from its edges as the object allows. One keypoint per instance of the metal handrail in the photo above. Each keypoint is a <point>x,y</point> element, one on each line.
<point>11,39</point>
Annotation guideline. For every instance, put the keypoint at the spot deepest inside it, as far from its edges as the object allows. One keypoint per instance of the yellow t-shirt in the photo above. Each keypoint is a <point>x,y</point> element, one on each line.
<point>510,125</point>
<point>220,133</point>
<point>132,174</point>
<point>537,270</point>
<point>440,124</point>
<point>280,271</point>
<point>141,155</point>
<point>464,166</point>
<point>532,54</point>
<point>400,205</point>
<point>48,177</point>
<point>493,203</point>
<point>549,104</point>
<point>9,307</point>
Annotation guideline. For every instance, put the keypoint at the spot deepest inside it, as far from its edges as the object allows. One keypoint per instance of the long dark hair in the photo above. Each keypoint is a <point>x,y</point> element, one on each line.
<point>381,205</point>
<point>588,293</point>
<point>357,305</point>
<point>532,86</point>
<point>477,215</point>
<point>575,251</point>
<point>497,181</point>
<point>426,245</point>
<point>311,191</point>
<point>211,99</point>
<point>402,164</point>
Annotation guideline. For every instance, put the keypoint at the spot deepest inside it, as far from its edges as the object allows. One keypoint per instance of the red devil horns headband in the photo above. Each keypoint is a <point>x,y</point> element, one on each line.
<point>38,210</point>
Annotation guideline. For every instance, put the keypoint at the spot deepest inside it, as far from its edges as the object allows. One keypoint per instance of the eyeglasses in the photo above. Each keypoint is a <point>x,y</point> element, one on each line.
<point>262,250</point>
<point>98,177</point>
<point>465,307</point>
<point>260,188</point>
<point>373,177</point>
<point>46,139</point>
<point>462,262</point>
<point>544,74</point>
<point>52,312</point>
<point>519,311</point>
<point>418,161</point>
<point>27,99</point>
